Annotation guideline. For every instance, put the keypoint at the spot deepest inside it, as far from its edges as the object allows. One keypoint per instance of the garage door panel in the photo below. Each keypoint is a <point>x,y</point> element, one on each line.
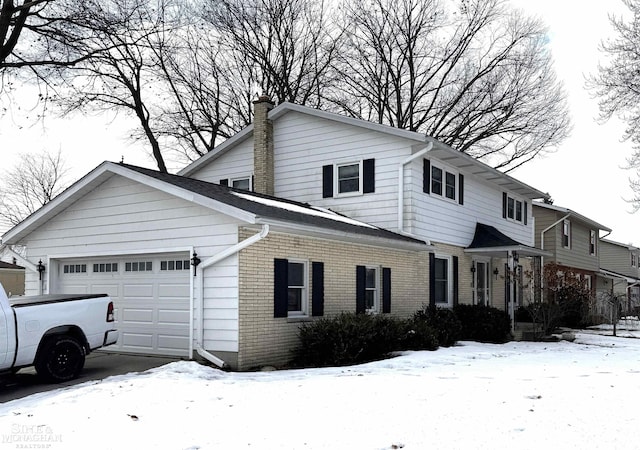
<point>173,290</point>
<point>138,291</point>
<point>131,315</point>
<point>173,316</point>
<point>151,305</point>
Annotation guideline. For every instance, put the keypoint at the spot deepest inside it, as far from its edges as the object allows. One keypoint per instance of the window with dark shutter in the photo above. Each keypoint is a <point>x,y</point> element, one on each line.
<point>504,205</point>
<point>455,280</point>
<point>432,279</point>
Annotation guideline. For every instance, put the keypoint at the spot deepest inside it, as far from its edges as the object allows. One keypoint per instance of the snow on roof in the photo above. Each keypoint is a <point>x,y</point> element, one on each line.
<point>311,210</point>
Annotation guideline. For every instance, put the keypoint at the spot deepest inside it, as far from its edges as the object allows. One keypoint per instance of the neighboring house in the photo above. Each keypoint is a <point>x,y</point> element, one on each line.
<point>573,240</point>
<point>12,278</point>
<point>477,218</point>
<point>264,265</point>
<point>620,267</point>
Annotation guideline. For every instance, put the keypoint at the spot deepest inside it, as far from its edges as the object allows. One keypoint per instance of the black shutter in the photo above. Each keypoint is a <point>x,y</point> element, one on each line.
<point>507,287</point>
<point>504,205</point>
<point>426,176</point>
<point>252,185</point>
<point>369,176</point>
<point>280,287</point>
<point>455,280</point>
<point>461,189</point>
<point>525,212</point>
<point>432,279</point>
<point>224,182</point>
<point>327,181</point>
<point>386,290</point>
<point>317,291</point>
<point>361,275</point>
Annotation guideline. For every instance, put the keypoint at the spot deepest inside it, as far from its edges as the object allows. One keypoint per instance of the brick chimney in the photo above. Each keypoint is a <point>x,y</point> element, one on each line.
<point>262,146</point>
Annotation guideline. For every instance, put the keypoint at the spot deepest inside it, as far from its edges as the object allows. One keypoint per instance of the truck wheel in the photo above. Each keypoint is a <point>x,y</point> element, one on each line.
<point>61,358</point>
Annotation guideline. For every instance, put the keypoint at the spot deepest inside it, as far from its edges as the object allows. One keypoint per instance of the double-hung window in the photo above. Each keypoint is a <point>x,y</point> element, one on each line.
<point>297,288</point>
<point>348,178</point>
<point>443,183</point>
<point>372,291</point>
<point>443,281</point>
<point>633,260</point>
<point>566,234</point>
<point>514,209</point>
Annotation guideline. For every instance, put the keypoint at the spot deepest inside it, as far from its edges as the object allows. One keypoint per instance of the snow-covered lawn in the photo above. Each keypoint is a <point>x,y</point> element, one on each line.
<point>520,395</point>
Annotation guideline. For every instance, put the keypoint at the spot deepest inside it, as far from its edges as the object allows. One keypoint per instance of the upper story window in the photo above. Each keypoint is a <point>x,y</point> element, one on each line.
<point>439,181</point>
<point>566,234</point>
<point>238,183</point>
<point>348,178</point>
<point>634,260</point>
<point>593,239</point>
<point>514,209</point>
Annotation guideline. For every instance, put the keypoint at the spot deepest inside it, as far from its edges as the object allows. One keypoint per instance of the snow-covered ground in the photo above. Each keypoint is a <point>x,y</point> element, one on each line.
<point>520,395</point>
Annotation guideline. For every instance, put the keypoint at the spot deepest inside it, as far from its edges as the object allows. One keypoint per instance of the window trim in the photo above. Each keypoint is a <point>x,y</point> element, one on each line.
<point>376,308</point>
<point>336,178</point>
<point>593,243</point>
<point>450,293</point>
<point>236,179</point>
<point>304,312</point>
<point>443,183</point>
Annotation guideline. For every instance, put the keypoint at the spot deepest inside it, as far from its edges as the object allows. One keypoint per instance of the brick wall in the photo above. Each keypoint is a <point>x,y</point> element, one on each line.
<point>265,340</point>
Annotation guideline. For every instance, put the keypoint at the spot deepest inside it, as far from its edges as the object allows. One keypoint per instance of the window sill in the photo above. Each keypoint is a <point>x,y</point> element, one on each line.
<point>296,319</point>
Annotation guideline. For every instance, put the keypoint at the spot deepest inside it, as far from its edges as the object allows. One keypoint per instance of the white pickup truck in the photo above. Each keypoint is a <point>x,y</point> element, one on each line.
<point>54,333</point>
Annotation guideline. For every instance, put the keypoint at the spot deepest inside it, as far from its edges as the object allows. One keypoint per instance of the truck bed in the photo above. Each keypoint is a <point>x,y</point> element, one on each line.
<point>31,300</point>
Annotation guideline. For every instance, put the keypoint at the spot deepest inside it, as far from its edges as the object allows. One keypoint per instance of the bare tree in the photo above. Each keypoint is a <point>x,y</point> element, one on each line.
<point>34,181</point>
<point>617,84</point>
<point>478,77</point>
<point>282,48</point>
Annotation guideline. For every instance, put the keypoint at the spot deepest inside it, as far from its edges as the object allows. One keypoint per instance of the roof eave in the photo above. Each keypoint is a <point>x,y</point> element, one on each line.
<point>523,250</point>
<point>344,236</point>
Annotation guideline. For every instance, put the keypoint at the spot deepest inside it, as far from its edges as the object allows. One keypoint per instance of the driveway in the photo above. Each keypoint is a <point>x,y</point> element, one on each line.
<point>98,365</point>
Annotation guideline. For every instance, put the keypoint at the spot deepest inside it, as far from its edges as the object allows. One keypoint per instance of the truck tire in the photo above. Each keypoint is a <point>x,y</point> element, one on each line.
<point>61,358</point>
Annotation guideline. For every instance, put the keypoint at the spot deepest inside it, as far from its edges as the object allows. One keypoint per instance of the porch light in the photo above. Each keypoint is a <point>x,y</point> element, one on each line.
<point>194,262</point>
<point>496,272</point>
<point>40,268</point>
<point>473,268</point>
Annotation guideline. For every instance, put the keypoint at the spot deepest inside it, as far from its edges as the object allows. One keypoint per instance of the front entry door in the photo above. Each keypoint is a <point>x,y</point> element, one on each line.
<point>482,283</point>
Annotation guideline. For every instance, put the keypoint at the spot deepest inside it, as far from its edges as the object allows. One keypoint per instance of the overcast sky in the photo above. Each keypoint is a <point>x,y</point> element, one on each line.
<point>585,174</point>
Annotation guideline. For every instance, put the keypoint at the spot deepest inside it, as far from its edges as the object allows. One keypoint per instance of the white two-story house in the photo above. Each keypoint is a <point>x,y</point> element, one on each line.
<point>302,214</point>
<point>477,218</point>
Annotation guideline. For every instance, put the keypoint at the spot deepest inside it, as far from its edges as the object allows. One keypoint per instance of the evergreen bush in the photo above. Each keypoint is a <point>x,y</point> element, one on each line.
<point>483,323</point>
<point>443,321</point>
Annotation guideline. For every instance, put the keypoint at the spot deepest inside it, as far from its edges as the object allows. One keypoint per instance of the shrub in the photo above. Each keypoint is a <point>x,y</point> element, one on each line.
<point>419,335</point>
<point>444,322</point>
<point>348,339</point>
<point>483,323</point>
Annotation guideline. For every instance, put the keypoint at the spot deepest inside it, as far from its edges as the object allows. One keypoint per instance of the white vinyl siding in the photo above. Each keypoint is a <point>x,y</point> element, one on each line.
<point>235,164</point>
<point>123,217</point>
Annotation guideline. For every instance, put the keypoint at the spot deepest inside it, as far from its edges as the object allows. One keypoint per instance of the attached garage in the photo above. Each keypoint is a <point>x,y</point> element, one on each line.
<point>151,295</point>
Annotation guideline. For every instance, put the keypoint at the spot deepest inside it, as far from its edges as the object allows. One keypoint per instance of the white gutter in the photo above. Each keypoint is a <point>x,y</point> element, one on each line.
<point>200,271</point>
<point>401,184</point>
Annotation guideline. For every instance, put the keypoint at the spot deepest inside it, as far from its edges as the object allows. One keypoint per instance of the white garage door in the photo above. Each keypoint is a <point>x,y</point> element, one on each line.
<point>150,293</point>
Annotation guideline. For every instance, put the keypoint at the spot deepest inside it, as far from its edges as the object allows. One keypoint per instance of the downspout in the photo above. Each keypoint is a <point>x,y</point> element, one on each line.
<point>203,265</point>
<point>401,184</point>
<point>542,257</point>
